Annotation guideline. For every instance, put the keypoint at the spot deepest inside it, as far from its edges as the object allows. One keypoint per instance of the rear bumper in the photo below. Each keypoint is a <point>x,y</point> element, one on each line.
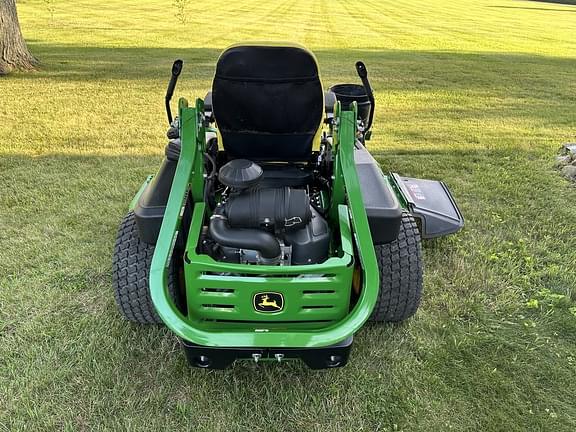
<point>315,358</point>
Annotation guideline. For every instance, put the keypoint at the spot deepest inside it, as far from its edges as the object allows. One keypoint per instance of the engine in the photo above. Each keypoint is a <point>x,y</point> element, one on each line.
<point>258,223</point>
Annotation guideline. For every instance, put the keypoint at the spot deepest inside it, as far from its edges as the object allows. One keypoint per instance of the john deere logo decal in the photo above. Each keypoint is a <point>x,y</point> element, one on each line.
<point>268,302</point>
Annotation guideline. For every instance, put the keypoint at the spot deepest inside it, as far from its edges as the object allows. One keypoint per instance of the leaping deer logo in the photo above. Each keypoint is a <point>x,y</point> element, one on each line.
<point>264,303</point>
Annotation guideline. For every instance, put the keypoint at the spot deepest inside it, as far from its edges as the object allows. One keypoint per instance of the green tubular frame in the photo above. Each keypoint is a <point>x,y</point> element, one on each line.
<point>346,207</point>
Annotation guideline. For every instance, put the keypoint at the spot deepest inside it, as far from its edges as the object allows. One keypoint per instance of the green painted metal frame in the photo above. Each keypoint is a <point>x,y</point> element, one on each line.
<point>346,198</point>
<point>304,306</point>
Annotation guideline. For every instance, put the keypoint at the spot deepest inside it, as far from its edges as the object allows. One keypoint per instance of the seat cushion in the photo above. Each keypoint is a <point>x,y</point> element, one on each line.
<point>268,102</point>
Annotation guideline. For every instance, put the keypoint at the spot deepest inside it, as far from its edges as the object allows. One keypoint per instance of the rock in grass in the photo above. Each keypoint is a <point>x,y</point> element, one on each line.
<point>569,171</point>
<point>570,149</point>
<point>563,160</point>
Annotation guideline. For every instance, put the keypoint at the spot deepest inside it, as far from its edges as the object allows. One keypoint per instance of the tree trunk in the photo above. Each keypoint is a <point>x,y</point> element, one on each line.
<point>14,54</point>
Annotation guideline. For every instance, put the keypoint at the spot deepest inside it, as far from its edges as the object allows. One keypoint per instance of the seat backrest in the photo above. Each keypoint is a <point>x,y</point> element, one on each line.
<point>268,102</point>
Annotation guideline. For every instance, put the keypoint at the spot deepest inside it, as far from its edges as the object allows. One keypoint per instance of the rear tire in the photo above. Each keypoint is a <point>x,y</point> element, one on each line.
<point>400,266</point>
<point>130,274</point>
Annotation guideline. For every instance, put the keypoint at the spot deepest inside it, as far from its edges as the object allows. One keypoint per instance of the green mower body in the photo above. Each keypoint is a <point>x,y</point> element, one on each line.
<point>200,243</point>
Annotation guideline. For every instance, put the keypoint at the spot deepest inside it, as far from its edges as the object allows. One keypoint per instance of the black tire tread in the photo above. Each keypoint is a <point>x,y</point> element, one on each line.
<point>130,272</point>
<point>401,268</point>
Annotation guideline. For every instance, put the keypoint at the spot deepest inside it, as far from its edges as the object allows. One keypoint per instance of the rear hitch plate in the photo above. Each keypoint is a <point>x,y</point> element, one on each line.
<point>315,358</point>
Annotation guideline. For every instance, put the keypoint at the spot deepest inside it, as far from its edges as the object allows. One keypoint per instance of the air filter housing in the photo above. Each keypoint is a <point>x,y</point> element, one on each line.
<point>240,174</point>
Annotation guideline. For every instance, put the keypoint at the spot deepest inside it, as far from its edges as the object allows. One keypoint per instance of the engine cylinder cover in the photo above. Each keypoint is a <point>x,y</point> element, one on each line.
<point>310,244</point>
<point>279,209</point>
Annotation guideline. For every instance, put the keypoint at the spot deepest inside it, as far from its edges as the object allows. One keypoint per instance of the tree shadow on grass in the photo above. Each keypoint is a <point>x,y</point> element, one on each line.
<point>399,67</point>
<point>563,2</point>
<point>513,77</point>
<point>91,63</point>
<point>533,8</point>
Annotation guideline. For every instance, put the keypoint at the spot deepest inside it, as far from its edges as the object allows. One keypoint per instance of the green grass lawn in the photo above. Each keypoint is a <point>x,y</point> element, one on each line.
<point>479,93</point>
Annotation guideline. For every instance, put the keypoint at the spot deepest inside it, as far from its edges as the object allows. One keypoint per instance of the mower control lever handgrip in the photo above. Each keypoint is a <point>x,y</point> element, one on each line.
<point>363,74</point>
<point>176,69</point>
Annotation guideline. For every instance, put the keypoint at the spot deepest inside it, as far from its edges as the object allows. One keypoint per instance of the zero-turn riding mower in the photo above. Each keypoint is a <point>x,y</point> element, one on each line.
<point>269,231</point>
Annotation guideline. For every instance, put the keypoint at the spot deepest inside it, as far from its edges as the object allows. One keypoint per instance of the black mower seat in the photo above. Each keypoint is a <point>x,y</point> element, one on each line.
<point>268,102</point>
